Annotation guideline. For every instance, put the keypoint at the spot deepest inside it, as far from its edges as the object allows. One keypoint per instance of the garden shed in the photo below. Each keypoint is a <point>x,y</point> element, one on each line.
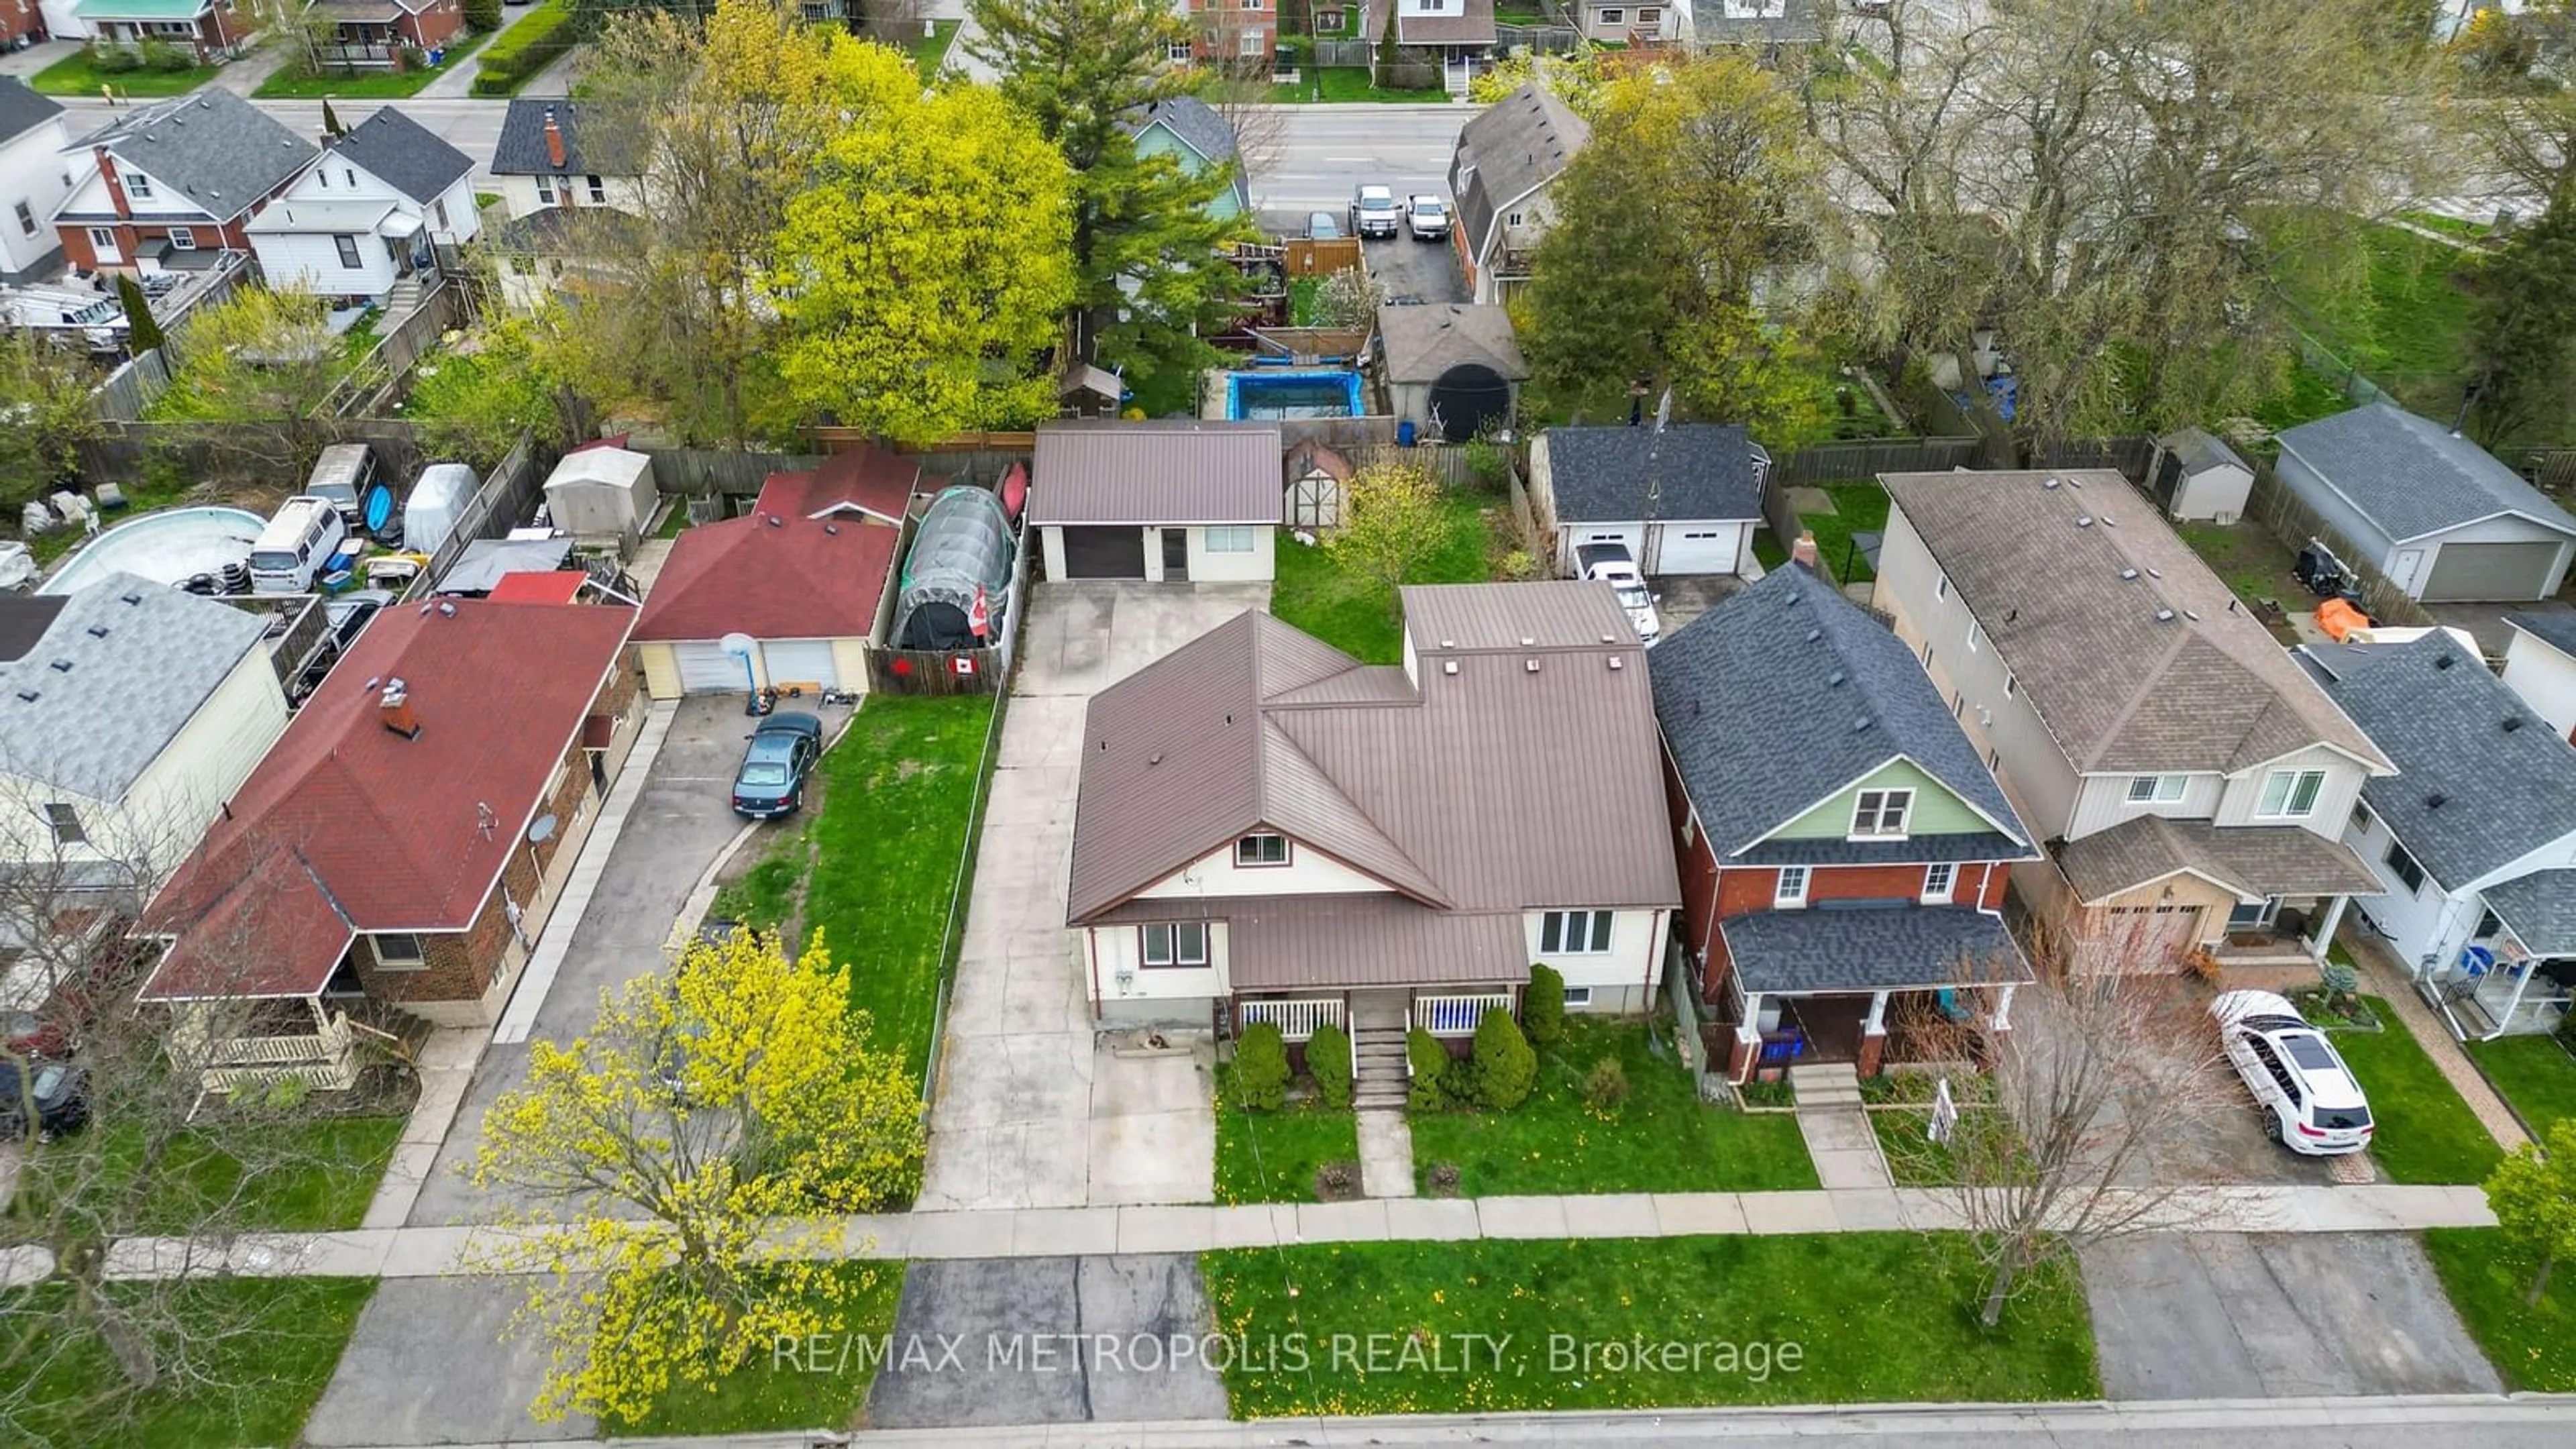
<point>962,553</point>
<point>2199,477</point>
<point>602,491</point>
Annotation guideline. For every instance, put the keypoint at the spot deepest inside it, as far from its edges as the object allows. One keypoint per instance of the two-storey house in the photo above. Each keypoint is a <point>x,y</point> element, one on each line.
<point>541,159</point>
<point>2190,781</point>
<point>34,178</point>
<point>1844,851</point>
<point>1506,163</point>
<point>374,209</point>
<point>173,186</point>
<point>1235,35</point>
<point>1268,830</point>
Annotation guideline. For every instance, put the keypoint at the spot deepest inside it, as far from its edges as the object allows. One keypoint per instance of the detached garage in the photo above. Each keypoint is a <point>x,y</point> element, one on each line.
<point>1173,500</point>
<point>2433,511</point>
<point>1682,502</point>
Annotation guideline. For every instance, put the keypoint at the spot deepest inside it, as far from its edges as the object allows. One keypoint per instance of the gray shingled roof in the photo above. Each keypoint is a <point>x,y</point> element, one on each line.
<point>1420,343</point>
<point>2411,476</point>
<point>2121,689</point>
<point>2471,795</point>
<point>144,658</point>
<point>2541,909</point>
<point>1871,946</point>
<point>22,110</point>
<point>520,149</point>
<point>2253,860</point>
<point>1202,129</point>
<point>219,151</point>
<point>1172,470</point>
<point>403,154</point>
<point>1786,693</point>
<point>1255,725</point>
<point>1600,475</point>
<point>1515,146</point>
<point>2553,627</point>
<point>2199,450</point>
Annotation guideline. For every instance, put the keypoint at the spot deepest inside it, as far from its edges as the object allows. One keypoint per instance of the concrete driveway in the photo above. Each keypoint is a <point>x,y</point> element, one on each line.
<point>2246,1316</point>
<point>1031,1111</point>
<point>681,824</point>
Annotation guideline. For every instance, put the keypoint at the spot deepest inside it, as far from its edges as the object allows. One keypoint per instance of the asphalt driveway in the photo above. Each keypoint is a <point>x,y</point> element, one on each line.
<point>1422,272</point>
<point>428,1365</point>
<point>2248,1316</point>
<point>1031,1111</point>
<point>681,824</point>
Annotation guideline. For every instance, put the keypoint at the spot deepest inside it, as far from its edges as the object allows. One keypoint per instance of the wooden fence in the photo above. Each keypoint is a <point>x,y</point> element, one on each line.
<point>385,375</point>
<point>2295,524</point>
<point>132,387</point>
<point>120,453</point>
<point>1855,458</point>
<point>1550,39</point>
<point>964,671</point>
<point>1313,257</point>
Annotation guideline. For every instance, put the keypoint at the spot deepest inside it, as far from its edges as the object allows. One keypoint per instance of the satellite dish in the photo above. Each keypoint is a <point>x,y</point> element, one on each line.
<point>541,829</point>
<point>737,645</point>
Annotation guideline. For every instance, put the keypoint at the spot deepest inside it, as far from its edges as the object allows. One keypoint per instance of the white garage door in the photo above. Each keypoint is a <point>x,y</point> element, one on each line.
<point>1698,548</point>
<point>801,661</point>
<point>706,669</point>
<point>2491,571</point>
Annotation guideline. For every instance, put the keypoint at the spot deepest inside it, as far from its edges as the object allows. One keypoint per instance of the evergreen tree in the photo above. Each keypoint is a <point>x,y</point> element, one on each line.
<point>331,121</point>
<point>2524,337</point>
<point>142,333</point>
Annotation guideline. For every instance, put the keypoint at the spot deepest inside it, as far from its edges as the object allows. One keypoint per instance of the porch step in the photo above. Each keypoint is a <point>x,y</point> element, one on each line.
<point>1377,1063</point>
<point>1826,1084</point>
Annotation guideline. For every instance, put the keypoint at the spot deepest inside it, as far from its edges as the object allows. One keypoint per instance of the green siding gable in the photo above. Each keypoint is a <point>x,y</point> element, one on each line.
<point>1158,140</point>
<point>1936,810</point>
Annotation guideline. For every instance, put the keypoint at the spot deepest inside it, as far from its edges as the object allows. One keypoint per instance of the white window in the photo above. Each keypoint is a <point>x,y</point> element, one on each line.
<point>1573,933</point>
<point>1976,636</point>
<point>1177,50</point>
<point>1578,996</point>
<point>1881,812</point>
<point>1251,4</point>
<point>1791,888</point>
<point>322,177</point>
<point>103,238</point>
<point>1230,539</point>
<point>1938,879</point>
<point>138,185</point>
<point>545,191</point>
<point>1176,944</point>
<point>1994,760</point>
<point>2290,794</point>
<point>1512,220</point>
<point>1650,17</point>
<point>2157,789</point>
<point>1261,850</point>
<point>1249,43</point>
<point>66,824</point>
<point>598,188</point>
<point>348,246</point>
<point>2010,684</point>
<point>1958,706</point>
<point>1941,587</point>
<point>399,949</point>
<point>350,174</point>
<point>183,239</point>
<point>1613,17</point>
<point>2362,819</point>
<point>26,219</point>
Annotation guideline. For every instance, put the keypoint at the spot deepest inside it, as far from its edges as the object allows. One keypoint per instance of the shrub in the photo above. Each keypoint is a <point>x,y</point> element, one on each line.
<point>162,56</point>
<point>2340,979</point>
<point>529,46</point>
<point>1328,1061</point>
<point>413,59</point>
<point>114,59</point>
<point>1488,463</point>
<point>1430,1062</point>
<point>1505,1065</point>
<point>1606,1085</point>
<point>1261,1068</point>
<point>483,15</point>
<point>1520,566</point>
<point>1543,1006</point>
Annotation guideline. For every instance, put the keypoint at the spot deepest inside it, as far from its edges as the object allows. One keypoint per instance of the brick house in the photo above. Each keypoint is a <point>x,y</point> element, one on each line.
<point>211,30</point>
<point>21,22</point>
<point>173,186</point>
<point>1844,853</point>
<point>1236,34</point>
<point>402,845</point>
<point>372,33</point>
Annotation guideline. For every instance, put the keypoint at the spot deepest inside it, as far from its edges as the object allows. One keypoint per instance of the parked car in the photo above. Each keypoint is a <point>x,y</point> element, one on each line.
<point>43,1098</point>
<point>771,781</point>
<point>346,616</point>
<point>1320,226</point>
<point>1428,216</point>
<point>1376,212</point>
<point>2310,1102</point>
<point>343,474</point>
<point>1610,563</point>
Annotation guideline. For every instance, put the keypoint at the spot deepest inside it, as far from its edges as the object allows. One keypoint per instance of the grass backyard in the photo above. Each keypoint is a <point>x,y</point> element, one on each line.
<point>185,400</point>
<point>2407,327</point>
<point>1873,1317</point>
<point>2532,1345</point>
<point>870,866</point>
<point>765,1395</point>
<point>264,1350</point>
<point>1662,1139</point>
<point>2254,565</point>
<point>312,1174</point>
<point>2534,1074</point>
<point>1357,614</point>
<point>1274,1156</point>
<point>2426,1133</point>
<point>78,75</point>
<point>1857,507</point>
<point>290,85</point>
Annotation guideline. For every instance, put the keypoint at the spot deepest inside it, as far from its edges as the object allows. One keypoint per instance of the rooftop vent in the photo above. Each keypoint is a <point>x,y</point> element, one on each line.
<point>1530,664</point>
<point>2512,722</point>
<point>833,529</point>
<point>29,695</point>
<point>2128,573</point>
<point>134,599</point>
<point>1835,678</point>
<point>1815,634</point>
<point>2074,482</point>
<point>2084,520</point>
<point>2164,616</point>
<point>772,520</point>
<point>1860,724</point>
<point>1155,758</point>
<point>1448,666</point>
<point>1528,642</point>
<point>62,666</point>
<point>2051,483</point>
<point>447,611</point>
<point>1448,643</point>
<point>2436,800</point>
<point>2442,661</point>
<point>2188,614</point>
<point>1618,663</point>
<point>98,631</point>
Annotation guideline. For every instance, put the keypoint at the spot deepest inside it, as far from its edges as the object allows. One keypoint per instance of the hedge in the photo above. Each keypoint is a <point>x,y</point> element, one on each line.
<point>526,48</point>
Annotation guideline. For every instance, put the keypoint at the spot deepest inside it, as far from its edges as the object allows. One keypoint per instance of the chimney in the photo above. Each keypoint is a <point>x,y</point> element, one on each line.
<point>394,707</point>
<point>1803,552</point>
<point>554,138</point>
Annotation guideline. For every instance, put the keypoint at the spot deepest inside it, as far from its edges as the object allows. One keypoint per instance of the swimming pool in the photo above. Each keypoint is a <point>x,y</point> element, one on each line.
<point>1305,393</point>
<point>168,547</point>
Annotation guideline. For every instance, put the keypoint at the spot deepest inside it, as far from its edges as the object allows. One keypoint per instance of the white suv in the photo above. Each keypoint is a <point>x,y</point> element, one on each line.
<point>2310,1102</point>
<point>1427,217</point>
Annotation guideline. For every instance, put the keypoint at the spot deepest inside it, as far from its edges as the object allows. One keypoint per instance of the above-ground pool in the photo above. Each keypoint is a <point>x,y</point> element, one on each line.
<point>1301,393</point>
<point>169,547</point>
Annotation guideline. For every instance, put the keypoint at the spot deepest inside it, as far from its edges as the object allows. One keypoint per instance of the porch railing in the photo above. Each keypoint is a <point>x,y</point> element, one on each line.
<point>1455,1015</point>
<point>1295,1019</point>
<point>328,1044</point>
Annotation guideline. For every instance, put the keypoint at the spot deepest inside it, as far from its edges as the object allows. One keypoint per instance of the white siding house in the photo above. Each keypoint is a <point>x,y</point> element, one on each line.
<point>34,178</point>
<point>375,207</point>
<point>2540,666</point>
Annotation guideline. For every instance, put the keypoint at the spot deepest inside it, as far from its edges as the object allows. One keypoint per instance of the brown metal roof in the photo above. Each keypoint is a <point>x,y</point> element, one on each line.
<point>2162,670</point>
<point>1172,470</point>
<point>1256,725</point>
<point>1276,943</point>
<point>2251,860</point>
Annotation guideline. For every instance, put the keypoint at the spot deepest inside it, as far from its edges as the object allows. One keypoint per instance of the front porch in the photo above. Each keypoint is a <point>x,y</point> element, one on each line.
<point>1761,1037</point>
<point>262,1043</point>
<point>1449,1013</point>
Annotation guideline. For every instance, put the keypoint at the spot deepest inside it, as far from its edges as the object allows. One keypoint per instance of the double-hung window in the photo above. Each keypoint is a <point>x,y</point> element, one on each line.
<point>1791,887</point>
<point>2290,794</point>
<point>1939,879</point>
<point>1573,933</point>
<point>2157,789</point>
<point>1176,944</point>
<point>1881,813</point>
<point>348,246</point>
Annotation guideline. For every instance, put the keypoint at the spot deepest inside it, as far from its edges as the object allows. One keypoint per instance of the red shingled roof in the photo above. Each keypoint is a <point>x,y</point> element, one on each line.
<point>773,577</point>
<point>871,479</point>
<point>558,586</point>
<point>392,834</point>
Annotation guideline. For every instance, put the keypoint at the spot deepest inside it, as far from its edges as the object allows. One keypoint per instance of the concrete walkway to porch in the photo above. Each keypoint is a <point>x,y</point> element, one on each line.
<point>1836,1126</point>
<point>2383,976</point>
<point>1386,1154</point>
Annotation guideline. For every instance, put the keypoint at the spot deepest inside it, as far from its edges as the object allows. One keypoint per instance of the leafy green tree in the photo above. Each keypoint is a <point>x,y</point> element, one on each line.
<point>143,331</point>
<point>1391,522</point>
<point>1261,1068</point>
<point>1543,1005</point>
<point>1328,1061</point>
<point>2524,336</point>
<point>261,362</point>
<point>45,415</point>
<point>1505,1067</point>
<point>474,406</point>
<point>2533,1195</point>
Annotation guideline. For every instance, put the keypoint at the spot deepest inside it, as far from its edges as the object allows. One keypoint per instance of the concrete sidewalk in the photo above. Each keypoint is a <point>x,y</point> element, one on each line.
<point>422,1252</point>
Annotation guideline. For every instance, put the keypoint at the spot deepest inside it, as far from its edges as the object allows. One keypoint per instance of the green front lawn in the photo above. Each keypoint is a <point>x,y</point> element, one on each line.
<point>1873,1318</point>
<point>1858,507</point>
<point>2532,1345</point>
<point>77,75</point>
<point>1274,1156</point>
<point>244,1364</point>
<point>1915,1160</point>
<point>291,85</point>
<point>1662,1139</point>
<point>820,1390</point>
<point>931,49</point>
<point>305,1175</point>
<point>1357,614</point>
<point>2426,1133</point>
<point>2534,1074</point>
<point>1337,84</point>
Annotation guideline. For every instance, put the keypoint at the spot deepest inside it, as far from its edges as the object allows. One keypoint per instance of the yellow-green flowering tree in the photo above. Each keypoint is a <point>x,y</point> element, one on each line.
<point>1391,523</point>
<point>2533,1193</point>
<point>668,1174</point>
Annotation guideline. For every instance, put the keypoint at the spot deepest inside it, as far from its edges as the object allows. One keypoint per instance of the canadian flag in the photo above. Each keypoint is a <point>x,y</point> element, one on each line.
<point>980,618</point>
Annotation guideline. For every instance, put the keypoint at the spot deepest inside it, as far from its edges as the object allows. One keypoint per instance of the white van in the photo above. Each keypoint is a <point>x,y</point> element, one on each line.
<point>295,546</point>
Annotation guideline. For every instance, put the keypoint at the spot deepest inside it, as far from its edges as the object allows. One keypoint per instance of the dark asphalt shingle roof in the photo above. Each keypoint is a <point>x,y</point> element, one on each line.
<point>2252,860</point>
<point>2198,450</point>
<point>2413,477</point>
<point>521,148</point>
<point>1786,693</point>
<point>2502,792</point>
<point>1600,475</point>
<point>1874,946</point>
<point>1517,145</point>
<point>1199,127</point>
<point>219,151</point>
<point>2554,627</point>
<point>2541,909</point>
<point>1420,343</point>
<point>403,154</point>
<point>22,110</point>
